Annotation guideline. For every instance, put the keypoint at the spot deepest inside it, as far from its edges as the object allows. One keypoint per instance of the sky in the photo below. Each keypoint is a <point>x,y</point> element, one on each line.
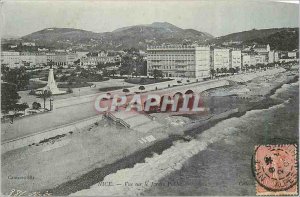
<point>217,17</point>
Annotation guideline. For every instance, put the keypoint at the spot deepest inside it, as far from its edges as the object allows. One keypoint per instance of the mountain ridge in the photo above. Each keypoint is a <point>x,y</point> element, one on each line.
<point>125,37</point>
<point>157,33</point>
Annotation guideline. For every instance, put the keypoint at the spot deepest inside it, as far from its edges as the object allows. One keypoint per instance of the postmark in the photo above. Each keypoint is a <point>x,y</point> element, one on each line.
<point>275,169</point>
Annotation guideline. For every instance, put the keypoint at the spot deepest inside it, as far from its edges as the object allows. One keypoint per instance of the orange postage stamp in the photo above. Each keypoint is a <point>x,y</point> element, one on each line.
<point>275,169</point>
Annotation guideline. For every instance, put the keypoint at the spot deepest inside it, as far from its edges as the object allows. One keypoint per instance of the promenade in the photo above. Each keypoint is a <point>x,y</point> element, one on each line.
<point>74,109</point>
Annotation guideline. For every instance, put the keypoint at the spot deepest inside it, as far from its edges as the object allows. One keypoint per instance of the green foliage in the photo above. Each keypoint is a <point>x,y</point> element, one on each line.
<point>36,105</point>
<point>157,74</point>
<point>69,90</point>
<point>9,97</point>
<point>21,107</point>
<point>285,40</point>
<point>45,95</point>
<point>142,88</point>
<point>17,76</point>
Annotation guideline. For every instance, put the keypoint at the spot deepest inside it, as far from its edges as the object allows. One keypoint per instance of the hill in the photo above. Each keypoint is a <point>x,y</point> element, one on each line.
<point>138,36</point>
<point>278,38</point>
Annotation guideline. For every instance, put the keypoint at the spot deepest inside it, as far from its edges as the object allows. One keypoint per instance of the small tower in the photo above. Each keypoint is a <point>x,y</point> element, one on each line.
<point>51,85</point>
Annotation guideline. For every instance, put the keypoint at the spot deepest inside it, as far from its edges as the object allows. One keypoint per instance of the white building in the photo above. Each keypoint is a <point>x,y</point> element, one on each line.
<point>292,54</point>
<point>221,58</point>
<point>203,61</point>
<point>10,59</point>
<point>81,54</point>
<point>71,58</point>
<point>28,44</point>
<point>260,59</point>
<point>179,61</point>
<point>58,59</point>
<point>42,49</point>
<point>245,59</point>
<point>28,59</point>
<point>276,56</point>
<point>95,60</point>
<point>41,59</point>
<point>271,56</point>
<point>261,48</point>
<point>236,59</point>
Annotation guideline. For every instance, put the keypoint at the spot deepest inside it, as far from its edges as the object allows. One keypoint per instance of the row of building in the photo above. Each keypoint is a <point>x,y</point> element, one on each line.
<point>197,61</point>
<point>103,57</point>
<point>17,59</point>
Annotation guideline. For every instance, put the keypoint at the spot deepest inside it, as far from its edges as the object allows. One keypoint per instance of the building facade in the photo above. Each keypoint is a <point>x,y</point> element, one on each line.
<point>95,60</point>
<point>179,61</point>
<point>28,59</point>
<point>71,58</point>
<point>236,59</point>
<point>41,59</point>
<point>10,59</point>
<point>221,58</point>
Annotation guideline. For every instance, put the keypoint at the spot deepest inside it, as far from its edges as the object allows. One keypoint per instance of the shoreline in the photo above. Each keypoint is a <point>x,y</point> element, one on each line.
<point>98,174</point>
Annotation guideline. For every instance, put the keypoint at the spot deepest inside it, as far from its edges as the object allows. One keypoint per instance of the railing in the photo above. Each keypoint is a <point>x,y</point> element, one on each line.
<point>118,120</point>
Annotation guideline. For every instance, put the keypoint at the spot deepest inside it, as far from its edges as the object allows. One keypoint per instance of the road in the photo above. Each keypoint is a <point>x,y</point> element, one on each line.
<point>82,108</point>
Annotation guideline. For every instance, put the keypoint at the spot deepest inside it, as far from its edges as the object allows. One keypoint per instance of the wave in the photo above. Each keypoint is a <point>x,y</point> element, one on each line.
<point>172,159</point>
<point>283,89</point>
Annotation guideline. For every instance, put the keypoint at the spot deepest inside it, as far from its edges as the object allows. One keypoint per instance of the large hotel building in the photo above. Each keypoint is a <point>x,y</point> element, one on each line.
<point>179,61</point>
<point>197,61</point>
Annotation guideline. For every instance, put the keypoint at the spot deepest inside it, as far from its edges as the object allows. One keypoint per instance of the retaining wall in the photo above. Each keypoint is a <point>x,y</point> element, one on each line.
<point>37,137</point>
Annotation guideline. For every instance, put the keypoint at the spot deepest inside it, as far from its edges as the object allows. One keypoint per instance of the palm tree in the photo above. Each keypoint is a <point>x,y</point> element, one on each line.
<point>46,94</point>
<point>246,67</point>
<point>113,72</point>
<point>225,70</point>
<point>217,71</point>
<point>232,71</point>
<point>212,73</point>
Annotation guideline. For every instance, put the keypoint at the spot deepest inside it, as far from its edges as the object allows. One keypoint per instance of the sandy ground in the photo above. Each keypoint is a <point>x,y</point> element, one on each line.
<point>66,158</point>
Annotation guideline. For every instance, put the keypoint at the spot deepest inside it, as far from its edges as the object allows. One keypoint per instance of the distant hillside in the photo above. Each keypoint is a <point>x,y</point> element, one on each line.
<point>278,38</point>
<point>138,36</point>
<point>285,40</point>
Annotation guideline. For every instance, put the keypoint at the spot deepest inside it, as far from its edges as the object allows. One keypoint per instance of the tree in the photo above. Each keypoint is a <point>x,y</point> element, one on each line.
<point>113,72</point>
<point>232,70</point>
<point>22,107</point>
<point>45,95</point>
<point>157,74</point>
<point>217,71</point>
<point>246,67</point>
<point>259,66</point>
<point>225,70</point>
<point>9,97</point>
<point>36,105</point>
<point>69,90</point>
<point>142,88</point>
<point>63,78</point>
<point>212,73</point>
<point>17,76</point>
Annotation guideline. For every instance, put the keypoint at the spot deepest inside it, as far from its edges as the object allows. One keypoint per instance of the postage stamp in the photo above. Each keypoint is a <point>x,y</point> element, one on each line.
<point>275,169</point>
